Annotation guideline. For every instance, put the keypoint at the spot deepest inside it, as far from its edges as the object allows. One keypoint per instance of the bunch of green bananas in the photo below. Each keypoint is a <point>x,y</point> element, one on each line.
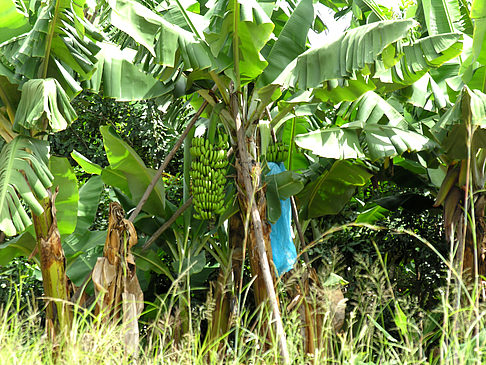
<point>208,174</point>
<point>277,152</point>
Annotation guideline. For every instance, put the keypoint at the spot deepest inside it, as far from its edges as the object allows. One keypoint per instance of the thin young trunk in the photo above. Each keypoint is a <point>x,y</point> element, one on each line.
<point>53,268</point>
<point>468,241</point>
<point>476,245</point>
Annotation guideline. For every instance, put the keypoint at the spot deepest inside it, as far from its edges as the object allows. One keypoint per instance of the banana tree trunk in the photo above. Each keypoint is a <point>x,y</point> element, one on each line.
<point>259,288</point>
<point>53,268</point>
<point>252,200</point>
<point>221,293</point>
<point>467,237</point>
<point>471,247</point>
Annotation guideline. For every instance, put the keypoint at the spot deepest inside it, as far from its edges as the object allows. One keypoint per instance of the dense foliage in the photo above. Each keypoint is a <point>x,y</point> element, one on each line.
<point>164,164</point>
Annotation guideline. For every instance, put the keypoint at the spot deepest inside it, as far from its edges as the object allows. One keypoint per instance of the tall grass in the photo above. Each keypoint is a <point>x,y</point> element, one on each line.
<point>380,328</point>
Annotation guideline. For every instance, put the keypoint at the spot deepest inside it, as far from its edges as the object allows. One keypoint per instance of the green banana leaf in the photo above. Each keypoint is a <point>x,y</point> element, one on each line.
<point>446,16</point>
<point>118,77</point>
<point>372,214</point>
<point>334,142</point>
<point>22,245</point>
<point>329,193</point>
<point>346,56</point>
<point>252,32</point>
<point>43,97</point>
<point>87,165</point>
<point>13,22</point>
<point>473,75</point>
<point>451,129</point>
<point>174,44</point>
<point>83,246</point>
<point>124,160</point>
<point>281,187</point>
<point>291,42</point>
<point>67,197</point>
<point>72,47</point>
<point>418,58</point>
<point>24,173</point>
<point>427,94</point>
<point>377,130</point>
<point>75,245</point>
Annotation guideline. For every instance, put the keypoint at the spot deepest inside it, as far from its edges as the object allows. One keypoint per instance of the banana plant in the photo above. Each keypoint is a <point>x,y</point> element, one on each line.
<point>38,60</point>
<point>260,69</point>
<point>49,51</point>
<point>447,106</point>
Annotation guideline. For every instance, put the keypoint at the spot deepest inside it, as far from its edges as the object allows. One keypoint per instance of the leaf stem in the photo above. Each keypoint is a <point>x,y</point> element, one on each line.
<point>236,53</point>
<point>50,35</point>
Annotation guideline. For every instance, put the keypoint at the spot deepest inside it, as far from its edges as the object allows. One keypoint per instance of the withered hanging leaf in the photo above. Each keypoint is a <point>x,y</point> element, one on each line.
<point>117,289</point>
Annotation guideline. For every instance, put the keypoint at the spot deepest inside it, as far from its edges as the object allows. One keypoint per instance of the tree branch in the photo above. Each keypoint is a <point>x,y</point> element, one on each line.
<point>167,224</point>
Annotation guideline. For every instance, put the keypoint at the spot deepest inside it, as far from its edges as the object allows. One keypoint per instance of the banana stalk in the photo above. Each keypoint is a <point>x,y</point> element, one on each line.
<point>53,267</point>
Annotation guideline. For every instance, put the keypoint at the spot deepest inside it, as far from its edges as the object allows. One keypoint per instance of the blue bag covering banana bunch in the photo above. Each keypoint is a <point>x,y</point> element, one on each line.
<point>208,176</point>
<point>277,152</point>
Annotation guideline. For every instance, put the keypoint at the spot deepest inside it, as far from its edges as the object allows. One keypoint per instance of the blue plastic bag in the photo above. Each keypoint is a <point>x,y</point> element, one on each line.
<point>283,248</point>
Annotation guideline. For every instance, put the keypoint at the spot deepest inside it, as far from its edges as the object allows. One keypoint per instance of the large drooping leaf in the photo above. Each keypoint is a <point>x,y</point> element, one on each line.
<point>451,130</point>
<point>441,15</point>
<point>478,13</point>
<point>281,187</point>
<point>427,94</point>
<point>372,214</point>
<point>252,31</point>
<point>333,142</point>
<point>82,250</point>
<point>60,31</point>
<point>387,141</point>
<point>43,98</point>
<point>346,56</point>
<point>67,197</point>
<point>418,58</point>
<point>10,95</point>
<point>22,245</point>
<point>119,78</point>
<point>291,42</point>
<point>24,172</point>
<point>293,127</point>
<point>372,108</point>
<point>173,43</point>
<point>89,197</point>
<point>472,74</point>
<point>329,193</point>
<point>12,22</point>
<point>187,18</point>
<point>377,130</point>
<point>123,159</point>
<point>27,52</point>
<point>87,165</point>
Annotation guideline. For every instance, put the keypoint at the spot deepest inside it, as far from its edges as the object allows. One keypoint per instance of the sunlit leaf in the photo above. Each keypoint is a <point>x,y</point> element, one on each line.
<point>24,173</point>
<point>329,193</point>
<point>67,197</point>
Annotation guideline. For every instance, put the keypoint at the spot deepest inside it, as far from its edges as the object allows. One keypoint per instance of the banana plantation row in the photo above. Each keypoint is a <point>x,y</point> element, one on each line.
<point>287,123</point>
